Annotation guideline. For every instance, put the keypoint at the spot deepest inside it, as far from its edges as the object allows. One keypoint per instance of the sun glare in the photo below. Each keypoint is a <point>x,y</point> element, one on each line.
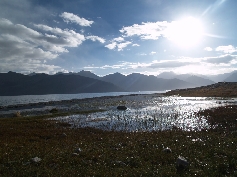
<point>185,33</point>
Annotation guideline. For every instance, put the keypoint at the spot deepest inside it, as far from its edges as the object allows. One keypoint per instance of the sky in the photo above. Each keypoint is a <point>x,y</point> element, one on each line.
<point>108,36</point>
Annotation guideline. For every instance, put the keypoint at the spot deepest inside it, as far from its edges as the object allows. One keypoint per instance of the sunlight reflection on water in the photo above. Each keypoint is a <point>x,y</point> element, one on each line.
<point>158,113</point>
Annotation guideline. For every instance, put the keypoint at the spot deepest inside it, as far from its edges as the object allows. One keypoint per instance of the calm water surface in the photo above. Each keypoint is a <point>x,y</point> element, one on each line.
<point>25,99</point>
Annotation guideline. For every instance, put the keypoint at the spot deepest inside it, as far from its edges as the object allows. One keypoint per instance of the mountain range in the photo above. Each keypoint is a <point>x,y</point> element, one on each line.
<point>12,83</point>
<point>226,77</point>
<point>39,84</point>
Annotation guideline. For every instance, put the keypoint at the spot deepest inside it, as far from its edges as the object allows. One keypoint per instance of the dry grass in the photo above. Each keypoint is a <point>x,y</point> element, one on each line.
<point>210,153</point>
<point>228,89</point>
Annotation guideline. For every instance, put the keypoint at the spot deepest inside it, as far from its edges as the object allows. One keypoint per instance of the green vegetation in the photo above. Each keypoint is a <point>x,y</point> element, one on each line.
<point>90,152</point>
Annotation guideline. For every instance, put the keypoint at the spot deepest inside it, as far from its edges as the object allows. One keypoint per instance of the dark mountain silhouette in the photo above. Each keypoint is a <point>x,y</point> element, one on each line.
<point>115,78</point>
<point>39,84</point>
<point>140,82</point>
<point>88,74</point>
<point>87,82</point>
<point>152,83</point>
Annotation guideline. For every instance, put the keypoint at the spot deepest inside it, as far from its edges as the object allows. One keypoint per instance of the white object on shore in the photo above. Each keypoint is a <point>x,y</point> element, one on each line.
<point>75,154</point>
<point>36,159</point>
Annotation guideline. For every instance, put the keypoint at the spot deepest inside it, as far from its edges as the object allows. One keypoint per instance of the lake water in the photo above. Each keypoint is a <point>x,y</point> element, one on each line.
<point>144,113</point>
<point>25,99</point>
<point>151,114</point>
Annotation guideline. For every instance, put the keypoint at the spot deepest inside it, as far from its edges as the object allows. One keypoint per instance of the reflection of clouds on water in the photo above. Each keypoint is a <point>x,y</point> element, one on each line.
<point>157,113</point>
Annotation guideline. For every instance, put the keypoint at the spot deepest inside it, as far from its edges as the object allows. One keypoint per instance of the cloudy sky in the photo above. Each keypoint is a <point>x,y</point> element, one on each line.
<point>108,36</point>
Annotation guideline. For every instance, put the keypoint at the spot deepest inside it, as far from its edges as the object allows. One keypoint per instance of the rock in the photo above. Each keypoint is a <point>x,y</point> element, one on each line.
<point>167,150</point>
<point>118,163</point>
<point>54,110</point>
<point>64,135</point>
<point>36,160</point>
<point>121,107</point>
<point>78,150</point>
<point>17,114</point>
<point>181,163</point>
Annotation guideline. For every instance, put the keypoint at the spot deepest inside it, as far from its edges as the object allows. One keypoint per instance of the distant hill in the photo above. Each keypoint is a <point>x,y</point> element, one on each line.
<point>199,81</point>
<point>39,84</point>
<point>220,89</point>
<point>196,80</point>
<point>167,75</point>
<point>220,77</point>
<point>231,78</point>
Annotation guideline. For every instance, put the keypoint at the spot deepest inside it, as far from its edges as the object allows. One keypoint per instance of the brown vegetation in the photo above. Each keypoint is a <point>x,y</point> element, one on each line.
<point>58,150</point>
<point>221,89</point>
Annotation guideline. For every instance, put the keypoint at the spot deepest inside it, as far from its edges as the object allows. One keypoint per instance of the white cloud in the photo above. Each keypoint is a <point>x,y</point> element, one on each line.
<point>123,45</point>
<point>111,46</point>
<point>209,49</point>
<point>119,39</point>
<point>18,41</point>
<point>28,66</point>
<point>117,45</point>
<point>66,38</point>
<point>25,48</point>
<point>136,45</point>
<point>96,38</point>
<point>227,49</point>
<point>70,17</point>
<point>168,64</point>
<point>223,59</point>
<point>121,65</point>
<point>180,65</point>
<point>146,31</point>
<point>152,53</point>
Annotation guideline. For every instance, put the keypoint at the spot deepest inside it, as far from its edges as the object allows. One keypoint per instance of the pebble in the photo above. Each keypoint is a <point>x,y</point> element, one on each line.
<point>36,159</point>
<point>167,150</point>
<point>75,154</point>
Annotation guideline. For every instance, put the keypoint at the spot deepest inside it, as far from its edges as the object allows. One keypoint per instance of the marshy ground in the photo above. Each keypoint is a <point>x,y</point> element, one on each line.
<point>66,151</point>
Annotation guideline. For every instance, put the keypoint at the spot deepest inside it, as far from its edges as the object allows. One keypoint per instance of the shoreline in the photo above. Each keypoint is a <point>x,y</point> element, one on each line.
<point>73,105</point>
<point>218,90</point>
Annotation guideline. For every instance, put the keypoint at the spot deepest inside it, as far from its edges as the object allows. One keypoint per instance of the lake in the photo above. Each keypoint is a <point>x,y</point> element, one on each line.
<point>25,99</point>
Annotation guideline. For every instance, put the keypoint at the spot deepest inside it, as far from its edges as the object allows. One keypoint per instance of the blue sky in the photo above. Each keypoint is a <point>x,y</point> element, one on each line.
<point>108,36</point>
